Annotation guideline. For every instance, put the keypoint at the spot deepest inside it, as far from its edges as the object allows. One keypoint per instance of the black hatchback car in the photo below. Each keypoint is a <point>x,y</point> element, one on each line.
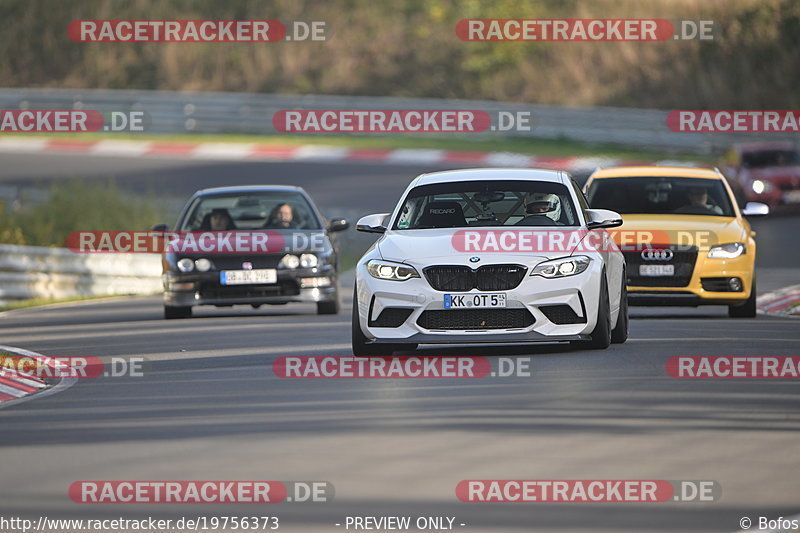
<point>250,245</point>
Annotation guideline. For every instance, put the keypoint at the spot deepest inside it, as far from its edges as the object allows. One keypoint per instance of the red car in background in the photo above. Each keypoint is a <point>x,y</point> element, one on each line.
<point>767,172</point>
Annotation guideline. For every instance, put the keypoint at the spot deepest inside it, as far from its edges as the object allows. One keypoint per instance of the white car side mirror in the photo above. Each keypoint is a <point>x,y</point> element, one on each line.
<point>603,218</point>
<point>373,223</point>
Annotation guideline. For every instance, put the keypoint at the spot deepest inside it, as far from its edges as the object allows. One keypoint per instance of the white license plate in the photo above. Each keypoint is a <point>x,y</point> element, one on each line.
<point>472,301</point>
<point>792,197</point>
<point>656,270</point>
<point>247,277</point>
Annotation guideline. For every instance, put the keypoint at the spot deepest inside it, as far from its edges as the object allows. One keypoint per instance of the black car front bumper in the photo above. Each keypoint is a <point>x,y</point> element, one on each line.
<point>196,288</point>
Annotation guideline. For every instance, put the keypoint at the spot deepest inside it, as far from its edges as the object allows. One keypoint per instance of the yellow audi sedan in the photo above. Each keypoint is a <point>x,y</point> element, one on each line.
<point>685,240</point>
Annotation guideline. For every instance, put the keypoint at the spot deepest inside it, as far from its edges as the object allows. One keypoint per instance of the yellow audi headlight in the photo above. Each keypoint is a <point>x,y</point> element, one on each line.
<point>731,250</point>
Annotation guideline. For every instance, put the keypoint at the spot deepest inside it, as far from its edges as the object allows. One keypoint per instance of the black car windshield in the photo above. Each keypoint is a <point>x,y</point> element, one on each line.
<point>661,196</point>
<point>770,158</point>
<point>487,203</point>
<point>249,211</point>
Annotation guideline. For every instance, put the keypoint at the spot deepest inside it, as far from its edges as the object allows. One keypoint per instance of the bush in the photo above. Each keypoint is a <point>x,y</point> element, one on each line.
<point>78,206</point>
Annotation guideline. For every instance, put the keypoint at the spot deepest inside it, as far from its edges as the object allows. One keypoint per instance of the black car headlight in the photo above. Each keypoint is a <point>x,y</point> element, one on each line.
<point>309,260</point>
<point>203,264</point>
<point>185,264</point>
<point>289,261</point>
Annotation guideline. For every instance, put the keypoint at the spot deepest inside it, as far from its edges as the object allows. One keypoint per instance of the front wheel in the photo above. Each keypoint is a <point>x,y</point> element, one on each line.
<point>601,335</point>
<point>746,310</point>
<point>328,308</point>
<point>171,312</point>
<point>620,332</point>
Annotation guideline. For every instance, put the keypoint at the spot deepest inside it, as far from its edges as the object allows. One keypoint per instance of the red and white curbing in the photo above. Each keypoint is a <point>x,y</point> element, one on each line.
<point>783,302</point>
<point>309,152</point>
<point>15,385</point>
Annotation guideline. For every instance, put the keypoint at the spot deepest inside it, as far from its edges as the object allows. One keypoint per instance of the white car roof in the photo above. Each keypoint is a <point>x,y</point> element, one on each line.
<point>478,174</point>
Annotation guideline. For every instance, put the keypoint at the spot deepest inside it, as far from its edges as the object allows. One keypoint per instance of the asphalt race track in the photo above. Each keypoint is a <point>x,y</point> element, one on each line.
<point>209,406</point>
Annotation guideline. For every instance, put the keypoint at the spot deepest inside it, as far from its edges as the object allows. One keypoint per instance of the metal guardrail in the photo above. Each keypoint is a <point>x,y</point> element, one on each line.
<point>248,113</point>
<point>39,272</point>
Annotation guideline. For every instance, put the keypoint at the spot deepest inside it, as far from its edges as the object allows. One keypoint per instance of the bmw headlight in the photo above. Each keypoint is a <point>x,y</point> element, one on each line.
<point>289,261</point>
<point>309,260</point>
<point>390,270</point>
<point>562,267</point>
<point>730,250</point>
<point>185,264</point>
<point>203,264</point>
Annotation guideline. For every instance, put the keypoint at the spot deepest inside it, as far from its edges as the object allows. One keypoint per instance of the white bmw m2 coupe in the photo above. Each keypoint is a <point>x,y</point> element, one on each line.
<point>490,256</point>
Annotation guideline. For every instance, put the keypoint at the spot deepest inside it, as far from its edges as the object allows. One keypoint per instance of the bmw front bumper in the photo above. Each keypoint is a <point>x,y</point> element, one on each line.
<point>545,310</point>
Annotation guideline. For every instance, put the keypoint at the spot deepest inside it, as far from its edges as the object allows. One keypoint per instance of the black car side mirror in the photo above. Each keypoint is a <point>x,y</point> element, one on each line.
<point>338,224</point>
<point>160,228</point>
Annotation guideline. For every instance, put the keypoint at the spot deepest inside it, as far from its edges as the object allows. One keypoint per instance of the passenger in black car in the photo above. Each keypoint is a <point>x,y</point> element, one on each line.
<point>218,219</point>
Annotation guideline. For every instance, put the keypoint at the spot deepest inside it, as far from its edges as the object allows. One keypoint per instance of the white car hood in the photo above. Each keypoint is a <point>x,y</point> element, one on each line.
<point>435,246</point>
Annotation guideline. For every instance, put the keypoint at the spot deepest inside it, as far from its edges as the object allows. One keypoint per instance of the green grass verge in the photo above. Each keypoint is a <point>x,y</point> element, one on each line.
<point>541,147</point>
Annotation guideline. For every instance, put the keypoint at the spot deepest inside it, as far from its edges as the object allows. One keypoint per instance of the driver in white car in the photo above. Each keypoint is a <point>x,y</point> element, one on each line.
<point>542,209</point>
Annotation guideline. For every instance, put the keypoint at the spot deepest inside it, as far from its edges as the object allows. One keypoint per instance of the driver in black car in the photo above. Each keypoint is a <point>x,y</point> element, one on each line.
<point>282,217</point>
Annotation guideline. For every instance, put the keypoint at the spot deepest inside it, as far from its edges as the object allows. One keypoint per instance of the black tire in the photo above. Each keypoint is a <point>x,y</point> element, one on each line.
<point>601,335</point>
<point>171,312</point>
<point>748,308</point>
<point>620,332</point>
<point>328,308</point>
<point>359,342</point>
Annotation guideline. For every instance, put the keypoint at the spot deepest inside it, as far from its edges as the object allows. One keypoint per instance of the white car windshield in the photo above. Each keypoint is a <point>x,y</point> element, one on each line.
<point>487,203</point>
